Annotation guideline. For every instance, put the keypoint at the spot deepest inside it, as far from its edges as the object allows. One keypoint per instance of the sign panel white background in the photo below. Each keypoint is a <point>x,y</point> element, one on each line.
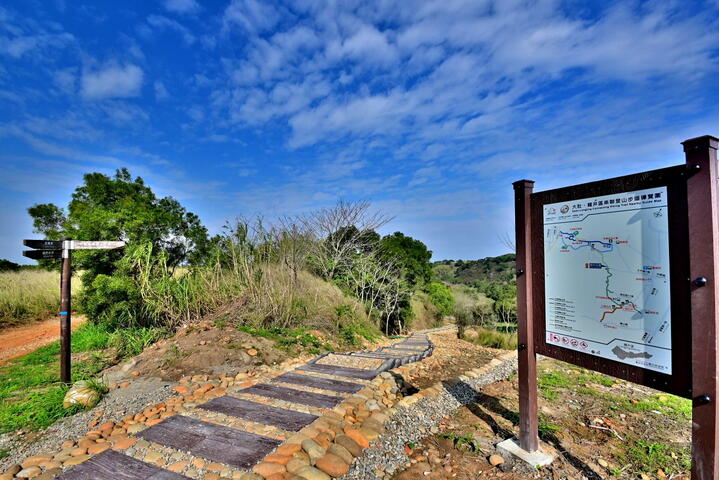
<point>606,262</point>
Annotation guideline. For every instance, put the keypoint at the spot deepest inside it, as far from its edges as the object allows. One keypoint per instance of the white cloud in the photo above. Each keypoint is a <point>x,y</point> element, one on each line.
<point>161,92</point>
<point>66,80</point>
<point>21,36</point>
<point>161,23</point>
<point>442,72</point>
<point>252,15</point>
<point>112,81</point>
<point>182,6</point>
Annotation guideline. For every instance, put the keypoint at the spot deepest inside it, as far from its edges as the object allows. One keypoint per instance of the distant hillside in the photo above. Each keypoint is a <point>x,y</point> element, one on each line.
<point>491,269</point>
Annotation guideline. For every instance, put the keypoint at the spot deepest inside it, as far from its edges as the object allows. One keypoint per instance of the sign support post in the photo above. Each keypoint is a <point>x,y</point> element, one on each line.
<point>702,199</point>
<point>62,249</point>
<point>527,358</point>
<point>65,313</point>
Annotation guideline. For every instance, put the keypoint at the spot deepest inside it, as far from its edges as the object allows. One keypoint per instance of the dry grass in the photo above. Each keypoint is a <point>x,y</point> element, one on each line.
<point>424,314</point>
<point>30,295</point>
<point>275,298</point>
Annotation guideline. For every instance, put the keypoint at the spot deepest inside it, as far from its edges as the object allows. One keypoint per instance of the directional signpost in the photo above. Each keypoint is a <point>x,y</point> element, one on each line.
<point>621,276</point>
<point>52,249</point>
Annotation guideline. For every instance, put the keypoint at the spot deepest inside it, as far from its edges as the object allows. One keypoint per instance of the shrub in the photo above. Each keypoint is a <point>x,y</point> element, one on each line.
<point>441,296</point>
<point>495,339</point>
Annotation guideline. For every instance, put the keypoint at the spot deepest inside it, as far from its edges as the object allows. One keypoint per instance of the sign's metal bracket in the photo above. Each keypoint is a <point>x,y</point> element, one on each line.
<point>692,169</point>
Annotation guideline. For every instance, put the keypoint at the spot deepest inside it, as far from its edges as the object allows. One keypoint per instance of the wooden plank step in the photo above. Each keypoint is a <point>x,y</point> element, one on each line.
<point>210,441</point>
<point>291,395</point>
<point>112,465</point>
<point>380,355</point>
<point>256,412</point>
<point>340,371</point>
<point>323,383</point>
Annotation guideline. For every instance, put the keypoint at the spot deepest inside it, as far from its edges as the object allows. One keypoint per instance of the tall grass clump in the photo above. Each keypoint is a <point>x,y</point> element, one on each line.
<point>253,278</point>
<point>29,295</point>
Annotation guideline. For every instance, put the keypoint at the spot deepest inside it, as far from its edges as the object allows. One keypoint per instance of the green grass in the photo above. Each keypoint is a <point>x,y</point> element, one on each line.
<point>463,442</point>
<point>30,391</point>
<point>648,457</point>
<point>353,332</point>
<point>494,339</point>
<point>666,404</point>
<point>547,429</point>
<point>549,383</point>
<point>288,338</point>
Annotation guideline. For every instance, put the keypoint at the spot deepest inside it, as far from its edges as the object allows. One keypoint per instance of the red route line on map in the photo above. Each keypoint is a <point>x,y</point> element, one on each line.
<point>614,309</point>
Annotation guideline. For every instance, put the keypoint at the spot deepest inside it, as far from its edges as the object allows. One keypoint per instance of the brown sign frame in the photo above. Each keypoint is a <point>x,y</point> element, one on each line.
<point>700,242</point>
<point>679,382</point>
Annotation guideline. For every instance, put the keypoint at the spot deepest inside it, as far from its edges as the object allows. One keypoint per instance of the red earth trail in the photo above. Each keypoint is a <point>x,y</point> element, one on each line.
<point>24,339</point>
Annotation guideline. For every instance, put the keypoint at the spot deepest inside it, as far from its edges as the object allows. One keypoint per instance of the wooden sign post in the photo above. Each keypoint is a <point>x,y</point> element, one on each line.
<point>53,249</point>
<point>701,160</point>
<point>652,319</point>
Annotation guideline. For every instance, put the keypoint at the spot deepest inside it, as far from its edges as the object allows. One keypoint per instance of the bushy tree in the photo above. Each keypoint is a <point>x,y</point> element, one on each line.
<point>120,208</point>
<point>411,255</point>
<point>441,296</point>
<point>8,266</point>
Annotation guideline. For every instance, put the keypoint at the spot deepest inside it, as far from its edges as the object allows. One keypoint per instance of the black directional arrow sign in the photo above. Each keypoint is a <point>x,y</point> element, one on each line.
<point>44,244</point>
<point>42,254</point>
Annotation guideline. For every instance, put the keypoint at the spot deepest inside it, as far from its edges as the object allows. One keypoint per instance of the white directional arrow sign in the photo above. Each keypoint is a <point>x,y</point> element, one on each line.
<point>94,245</point>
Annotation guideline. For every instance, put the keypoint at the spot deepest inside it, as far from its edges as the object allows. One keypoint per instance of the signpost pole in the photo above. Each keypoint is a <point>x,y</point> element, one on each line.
<point>702,198</point>
<point>65,313</point>
<point>528,421</point>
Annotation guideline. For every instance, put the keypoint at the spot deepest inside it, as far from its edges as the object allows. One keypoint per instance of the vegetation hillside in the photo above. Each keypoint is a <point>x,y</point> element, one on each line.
<point>172,272</point>
<point>489,269</point>
<point>486,292</point>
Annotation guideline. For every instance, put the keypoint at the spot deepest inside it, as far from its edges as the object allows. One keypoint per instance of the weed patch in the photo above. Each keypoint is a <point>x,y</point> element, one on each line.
<point>287,339</point>
<point>30,391</point>
<point>650,456</point>
<point>494,339</point>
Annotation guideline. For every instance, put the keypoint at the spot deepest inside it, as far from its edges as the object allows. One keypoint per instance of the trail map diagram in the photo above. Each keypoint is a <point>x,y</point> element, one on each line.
<point>606,263</point>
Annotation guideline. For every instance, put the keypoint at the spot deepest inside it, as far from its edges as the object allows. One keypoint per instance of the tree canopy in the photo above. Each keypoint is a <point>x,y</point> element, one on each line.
<point>411,255</point>
<point>120,208</point>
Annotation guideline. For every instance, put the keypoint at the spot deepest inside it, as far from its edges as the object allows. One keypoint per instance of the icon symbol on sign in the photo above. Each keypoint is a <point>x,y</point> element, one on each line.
<point>565,340</point>
<point>575,342</point>
<point>584,344</point>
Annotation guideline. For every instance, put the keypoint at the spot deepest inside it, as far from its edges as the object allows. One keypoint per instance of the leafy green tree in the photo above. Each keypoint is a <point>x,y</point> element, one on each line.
<point>8,266</point>
<point>411,255</point>
<point>120,208</point>
<point>441,296</point>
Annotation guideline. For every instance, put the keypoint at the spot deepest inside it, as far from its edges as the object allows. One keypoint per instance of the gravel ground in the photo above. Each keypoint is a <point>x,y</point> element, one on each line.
<point>411,424</point>
<point>115,405</point>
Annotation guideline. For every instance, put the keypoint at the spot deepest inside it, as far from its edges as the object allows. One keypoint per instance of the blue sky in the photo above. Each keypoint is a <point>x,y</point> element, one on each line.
<point>428,109</point>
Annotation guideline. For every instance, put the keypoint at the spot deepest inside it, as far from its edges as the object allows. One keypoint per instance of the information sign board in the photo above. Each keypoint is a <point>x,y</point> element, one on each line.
<point>607,283</point>
<point>610,260</point>
<point>621,276</point>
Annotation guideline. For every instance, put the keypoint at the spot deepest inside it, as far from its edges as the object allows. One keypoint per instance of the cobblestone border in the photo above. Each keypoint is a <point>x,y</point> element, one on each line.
<point>413,417</point>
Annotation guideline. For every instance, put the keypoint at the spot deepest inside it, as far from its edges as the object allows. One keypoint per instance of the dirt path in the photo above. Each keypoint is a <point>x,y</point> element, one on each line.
<point>24,339</point>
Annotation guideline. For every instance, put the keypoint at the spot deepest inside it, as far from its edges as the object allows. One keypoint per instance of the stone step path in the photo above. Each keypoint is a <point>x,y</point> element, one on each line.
<point>227,436</point>
<point>289,420</point>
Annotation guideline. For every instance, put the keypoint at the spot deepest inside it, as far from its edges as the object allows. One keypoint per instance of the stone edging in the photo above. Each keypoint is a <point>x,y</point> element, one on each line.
<point>414,416</point>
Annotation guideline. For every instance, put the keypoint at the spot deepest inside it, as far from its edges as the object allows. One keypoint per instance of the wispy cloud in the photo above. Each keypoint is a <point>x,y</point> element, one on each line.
<point>160,22</point>
<point>429,108</point>
<point>467,67</point>
<point>112,81</point>
<point>182,6</point>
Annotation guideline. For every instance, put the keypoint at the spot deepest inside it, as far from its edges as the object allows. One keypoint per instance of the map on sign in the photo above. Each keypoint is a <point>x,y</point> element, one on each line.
<point>606,264</point>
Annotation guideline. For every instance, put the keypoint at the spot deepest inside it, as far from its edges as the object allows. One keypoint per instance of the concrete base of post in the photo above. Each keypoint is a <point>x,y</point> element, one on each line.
<point>510,447</point>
